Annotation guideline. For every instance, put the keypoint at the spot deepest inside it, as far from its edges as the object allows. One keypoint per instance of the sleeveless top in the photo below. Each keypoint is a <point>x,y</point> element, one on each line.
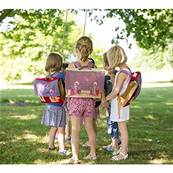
<point>124,111</point>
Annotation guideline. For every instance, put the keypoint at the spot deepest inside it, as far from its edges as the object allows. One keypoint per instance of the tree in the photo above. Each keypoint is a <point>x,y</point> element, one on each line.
<point>5,13</point>
<point>151,28</point>
<point>30,35</point>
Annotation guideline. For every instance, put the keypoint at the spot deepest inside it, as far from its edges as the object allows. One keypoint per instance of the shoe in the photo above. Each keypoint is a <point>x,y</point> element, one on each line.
<point>119,141</point>
<point>51,148</point>
<point>115,152</point>
<point>90,157</point>
<point>108,148</point>
<point>74,161</point>
<point>64,152</point>
<point>120,156</point>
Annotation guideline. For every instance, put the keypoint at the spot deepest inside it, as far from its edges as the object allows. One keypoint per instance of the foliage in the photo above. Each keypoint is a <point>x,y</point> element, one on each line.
<point>151,28</point>
<point>156,60</point>
<point>30,36</point>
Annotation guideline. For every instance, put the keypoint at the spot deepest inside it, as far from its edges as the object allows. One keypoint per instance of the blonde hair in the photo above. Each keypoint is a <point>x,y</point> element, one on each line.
<point>85,47</point>
<point>54,62</point>
<point>116,56</point>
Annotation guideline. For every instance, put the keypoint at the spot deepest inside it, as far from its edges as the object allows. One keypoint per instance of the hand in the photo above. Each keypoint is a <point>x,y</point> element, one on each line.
<point>105,104</point>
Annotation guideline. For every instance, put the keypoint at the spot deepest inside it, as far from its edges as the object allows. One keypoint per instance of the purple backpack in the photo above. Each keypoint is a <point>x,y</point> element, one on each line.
<point>49,90</point>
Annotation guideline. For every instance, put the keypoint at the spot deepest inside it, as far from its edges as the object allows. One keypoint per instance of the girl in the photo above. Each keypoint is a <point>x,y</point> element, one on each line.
<point>82,107</point>
<point>54,114</point>
<point>112,126</point>
<point>117,58</point>
<point>97,113</point>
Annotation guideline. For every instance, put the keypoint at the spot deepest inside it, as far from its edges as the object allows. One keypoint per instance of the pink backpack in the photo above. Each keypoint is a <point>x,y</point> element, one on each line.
<point>84,81</point>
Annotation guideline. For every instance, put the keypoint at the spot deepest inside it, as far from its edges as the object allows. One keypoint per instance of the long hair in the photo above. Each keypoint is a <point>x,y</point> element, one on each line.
<point>116,56</point>
<point>85,47</point>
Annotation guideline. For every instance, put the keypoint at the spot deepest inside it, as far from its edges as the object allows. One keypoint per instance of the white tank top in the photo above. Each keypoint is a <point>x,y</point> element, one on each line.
<point>124,111</point>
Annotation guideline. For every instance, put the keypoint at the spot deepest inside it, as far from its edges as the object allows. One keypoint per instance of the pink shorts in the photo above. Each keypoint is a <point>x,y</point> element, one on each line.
<point>82,107</point>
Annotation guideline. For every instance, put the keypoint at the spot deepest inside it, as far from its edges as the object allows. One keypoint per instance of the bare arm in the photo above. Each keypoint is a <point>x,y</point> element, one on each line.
<point>117,86</point>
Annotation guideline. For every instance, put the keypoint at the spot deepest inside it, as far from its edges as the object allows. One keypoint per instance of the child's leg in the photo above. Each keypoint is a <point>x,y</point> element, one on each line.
<point>75,122</point>
<point>124,136</point>
<point>52,134</point>
<point>68,130</point>
<point>95,130</point>
<point>61,138</point>
<point>114,143</point>
<point>122,154</point>
<point>91,135</point>
<point>95,125</point>
<point>114,135</point>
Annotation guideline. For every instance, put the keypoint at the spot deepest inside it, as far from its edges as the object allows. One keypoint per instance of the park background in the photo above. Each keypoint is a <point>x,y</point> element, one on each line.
<point>27,37</point>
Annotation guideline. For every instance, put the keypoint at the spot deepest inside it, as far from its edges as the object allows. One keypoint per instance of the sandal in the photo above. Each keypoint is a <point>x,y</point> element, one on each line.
<point>115,152</point>
<point>120,156</point>
<point>108,148</point>
<point>64,152</point>
<point>51,148</point>
<point>90,157</point>
<point>74,161</point>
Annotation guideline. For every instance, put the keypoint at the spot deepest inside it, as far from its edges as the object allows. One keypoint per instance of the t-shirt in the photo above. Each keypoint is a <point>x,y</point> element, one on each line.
<point>108,83</point>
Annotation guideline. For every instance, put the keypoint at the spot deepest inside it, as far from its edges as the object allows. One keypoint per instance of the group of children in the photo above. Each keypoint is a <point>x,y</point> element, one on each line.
<point>87,108</point>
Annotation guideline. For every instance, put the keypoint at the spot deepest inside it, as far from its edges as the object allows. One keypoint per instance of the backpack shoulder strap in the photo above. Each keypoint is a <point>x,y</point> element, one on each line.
<point>89,65</point>
<point>126,72</point>
<point>77,64</point>
<point>61,88</point>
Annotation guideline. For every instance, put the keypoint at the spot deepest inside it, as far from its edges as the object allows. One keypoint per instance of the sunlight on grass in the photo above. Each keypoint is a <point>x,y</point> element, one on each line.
<point>150,117</point>
<point>12,86</point>
<point>2,142</point>
<point>158,161</point>
<point>169,104</point>
<point>148,140</point>
<point>63,161</point>
<point>152,85</point>
<point>24,140</point>
<point>25,117</point>
<point>28,135</point>
<point>43,150</point>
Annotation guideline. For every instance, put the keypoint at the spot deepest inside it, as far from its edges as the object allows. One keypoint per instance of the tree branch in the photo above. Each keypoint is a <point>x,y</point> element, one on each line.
<point>4,14</point>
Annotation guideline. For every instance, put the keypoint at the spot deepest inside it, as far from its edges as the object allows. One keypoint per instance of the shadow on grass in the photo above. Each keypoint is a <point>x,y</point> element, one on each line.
<point>24,140</point>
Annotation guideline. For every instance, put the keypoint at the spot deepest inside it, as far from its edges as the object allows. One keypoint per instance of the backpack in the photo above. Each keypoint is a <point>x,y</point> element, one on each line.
<point>49,89</point>
<point>84,81</point>
<point>133,88</point>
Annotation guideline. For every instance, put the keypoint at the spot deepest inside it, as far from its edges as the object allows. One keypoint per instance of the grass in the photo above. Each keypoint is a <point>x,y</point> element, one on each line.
<point>23,140</point>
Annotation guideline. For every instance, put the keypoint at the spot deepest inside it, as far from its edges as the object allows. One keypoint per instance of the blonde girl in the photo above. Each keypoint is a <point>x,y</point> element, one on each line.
<point>82,108</point>
<point>117,59</point>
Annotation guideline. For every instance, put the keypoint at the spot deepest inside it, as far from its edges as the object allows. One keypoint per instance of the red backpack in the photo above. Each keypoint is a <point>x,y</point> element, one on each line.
<point>133,88</point>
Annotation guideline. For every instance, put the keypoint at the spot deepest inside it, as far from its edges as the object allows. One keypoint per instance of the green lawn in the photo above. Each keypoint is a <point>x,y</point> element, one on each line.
<point>24,140</point>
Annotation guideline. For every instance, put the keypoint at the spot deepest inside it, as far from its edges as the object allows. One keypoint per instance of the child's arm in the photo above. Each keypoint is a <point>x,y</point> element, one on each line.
<point>104,103</point>
<point>117,86</point>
